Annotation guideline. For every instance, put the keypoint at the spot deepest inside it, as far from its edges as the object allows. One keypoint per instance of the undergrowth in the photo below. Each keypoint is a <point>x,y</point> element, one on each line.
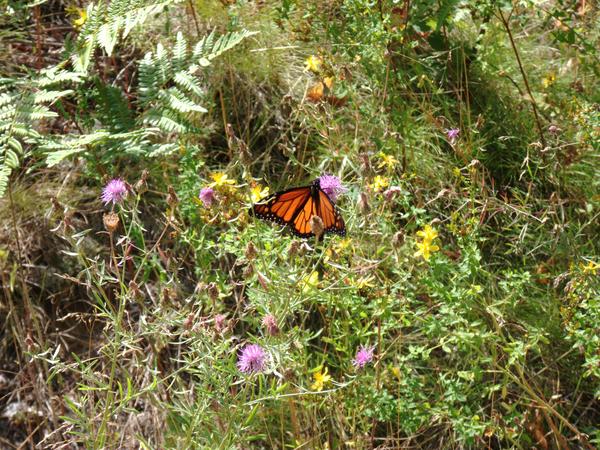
<point>461,309</point>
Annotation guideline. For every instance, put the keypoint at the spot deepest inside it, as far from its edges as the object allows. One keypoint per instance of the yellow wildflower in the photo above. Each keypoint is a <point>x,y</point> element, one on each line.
<point>310,282</point>
<point>321,377</point>
<point>328,81</point>
<point>380,183</point>
<point>428,234</point>
<point>342,244</point>
<point>590,267</point>
<point>258,192</point>
<point>220,179</point>
<point>425,249</point>
<point>396,371</point>
<point>313,63</point>
<point>78,23</point>
<point>387,160</point>
<point>79,16</point>
<point>549,80</point>
<point>364,282</point>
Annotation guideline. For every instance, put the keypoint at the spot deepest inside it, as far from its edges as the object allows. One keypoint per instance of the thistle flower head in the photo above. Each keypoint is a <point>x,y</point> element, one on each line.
<point>252,359</point>
<point>452,134</point>
<point>332,186</point>
<point>364,356</point>
<point>114,191</point>
<point>207,195</point>
<point>111,221</point>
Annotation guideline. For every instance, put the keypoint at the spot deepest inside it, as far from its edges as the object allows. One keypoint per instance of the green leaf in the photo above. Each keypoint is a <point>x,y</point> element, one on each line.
<point>55,157</point>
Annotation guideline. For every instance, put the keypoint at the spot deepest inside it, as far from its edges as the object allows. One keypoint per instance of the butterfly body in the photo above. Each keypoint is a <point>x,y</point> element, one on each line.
<point>296,206</point>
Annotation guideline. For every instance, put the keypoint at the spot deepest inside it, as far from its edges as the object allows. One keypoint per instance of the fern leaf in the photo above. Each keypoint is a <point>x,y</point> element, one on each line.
<point>177,101</point>
<point>180,52</point>
<point>50,96</point>
<point>208,49</point>
<point>188,82</point>
<point>5,172</point>
<point>167,121</point>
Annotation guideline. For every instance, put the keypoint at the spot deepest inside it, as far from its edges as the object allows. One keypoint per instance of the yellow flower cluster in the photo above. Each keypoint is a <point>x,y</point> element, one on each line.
<point>380,183</point>
<point>590,268</point>
<point>258,192</point>
<point>426,247</point>
<point>387,161</point>
<point>549,80</point>
<point>220,179</point>
<point>321,377</point>
<point>313,63</point>
<point>310,282</point>
<point>78,16</point>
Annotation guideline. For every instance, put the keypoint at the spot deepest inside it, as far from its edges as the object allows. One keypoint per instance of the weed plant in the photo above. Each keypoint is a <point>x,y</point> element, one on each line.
<point>143,306</point>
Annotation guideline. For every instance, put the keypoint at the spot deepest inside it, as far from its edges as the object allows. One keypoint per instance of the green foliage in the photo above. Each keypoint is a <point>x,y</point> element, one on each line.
<point>107,23</point>
<point>170,91</point>
<point>469,269</point>
<point>24,104</point>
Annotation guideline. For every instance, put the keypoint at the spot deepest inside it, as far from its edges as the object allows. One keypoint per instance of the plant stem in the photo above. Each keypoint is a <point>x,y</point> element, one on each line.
<point>525,80</point>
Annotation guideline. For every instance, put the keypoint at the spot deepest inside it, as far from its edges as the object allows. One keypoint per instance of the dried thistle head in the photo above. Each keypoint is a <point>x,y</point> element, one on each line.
<point>172,198</point>
<point>363,203</point>
<point>251,252</point>
<point>365,163</point>
<point>111,222</point>
<point>213,291</point>
<point>293,248</point>
<point>135,291</point>
<point>220,322</point>
<point>317,226</point>
<point>270,323</point>
<point>141,186</point>
<point>398,239</point>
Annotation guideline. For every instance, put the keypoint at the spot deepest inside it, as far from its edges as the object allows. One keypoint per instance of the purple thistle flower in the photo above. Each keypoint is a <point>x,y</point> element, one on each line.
<point>252,359</point>
<point>364,355</point>
<point>452,135</point>
<point>332,186</point>
<point>114,191</point>
<point>207,195</point>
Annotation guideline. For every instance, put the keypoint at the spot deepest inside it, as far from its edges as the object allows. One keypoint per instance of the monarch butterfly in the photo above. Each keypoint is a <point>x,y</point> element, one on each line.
<point>295,207</point>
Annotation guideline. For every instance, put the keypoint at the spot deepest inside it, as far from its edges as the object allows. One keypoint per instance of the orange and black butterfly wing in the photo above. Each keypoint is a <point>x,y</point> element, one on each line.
<point>300,224</point>
<point>282,207</point>
<point>319,204</point>
<point>295,207</point>
<point>332,219</point>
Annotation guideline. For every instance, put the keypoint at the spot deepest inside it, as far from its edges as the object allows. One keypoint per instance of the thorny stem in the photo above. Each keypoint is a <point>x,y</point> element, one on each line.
<point>525,80</point>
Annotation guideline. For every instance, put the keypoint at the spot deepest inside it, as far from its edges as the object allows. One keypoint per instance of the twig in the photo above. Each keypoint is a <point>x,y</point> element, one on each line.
<point>191,3</point>
<point>525,80</point>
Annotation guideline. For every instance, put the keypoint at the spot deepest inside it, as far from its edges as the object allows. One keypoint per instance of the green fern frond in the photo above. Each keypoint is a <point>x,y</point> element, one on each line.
<point>5,172</point>
<point>107,23</point>
<point>168,121</point>
<point>23,103</point>
<point>189,83</point>
<point>173,108</point>
<point>208,48</point>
